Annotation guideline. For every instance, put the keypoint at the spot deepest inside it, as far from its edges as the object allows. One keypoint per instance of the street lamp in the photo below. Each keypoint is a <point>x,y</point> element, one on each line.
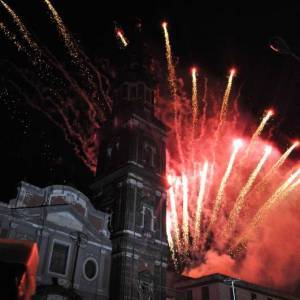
<point>279,45</point>
<point>231,282</point>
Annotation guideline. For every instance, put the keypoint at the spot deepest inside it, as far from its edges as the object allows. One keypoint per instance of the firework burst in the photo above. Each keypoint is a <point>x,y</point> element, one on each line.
<point>220,205</point>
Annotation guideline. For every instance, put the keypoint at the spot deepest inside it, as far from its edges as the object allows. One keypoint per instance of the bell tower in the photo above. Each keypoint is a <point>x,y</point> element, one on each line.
<point>130,184</point>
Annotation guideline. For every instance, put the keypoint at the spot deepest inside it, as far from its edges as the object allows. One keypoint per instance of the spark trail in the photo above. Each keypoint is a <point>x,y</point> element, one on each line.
<point>238,205</point>
<point>260,186</point>
<point>172,80</point>
<point>204,102</point>
<point>287,187</point>
<point>224,107</point>
<point>170,65</point>
<point>83,97</point>
<point>279,193</point>
<point>200,198</point>
<point>25,33</point>
<point>218,202</point>
<point>195,108</point>
<point>185,211</point>
<point>170,238</point>
<point>258,131</point>
<point>11,37</point>
<point>68,39</point>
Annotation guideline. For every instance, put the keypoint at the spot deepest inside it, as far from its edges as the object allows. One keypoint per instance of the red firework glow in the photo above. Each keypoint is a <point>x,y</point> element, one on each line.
<point>224,191</point>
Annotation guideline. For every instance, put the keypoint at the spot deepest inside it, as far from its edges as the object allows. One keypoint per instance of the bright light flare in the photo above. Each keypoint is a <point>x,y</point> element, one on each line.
<point>194,71</point>
<point>238,143</point>
<point>233,72</point>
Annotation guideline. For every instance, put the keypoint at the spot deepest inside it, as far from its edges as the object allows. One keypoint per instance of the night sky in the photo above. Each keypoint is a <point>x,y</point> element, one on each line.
<point>213,36</point>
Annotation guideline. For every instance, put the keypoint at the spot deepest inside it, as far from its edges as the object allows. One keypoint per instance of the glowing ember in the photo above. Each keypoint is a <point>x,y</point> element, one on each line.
<point>122,38</point>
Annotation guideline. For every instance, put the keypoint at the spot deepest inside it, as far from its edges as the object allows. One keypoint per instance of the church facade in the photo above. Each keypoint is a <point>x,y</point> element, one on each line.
<point>72,237</point>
